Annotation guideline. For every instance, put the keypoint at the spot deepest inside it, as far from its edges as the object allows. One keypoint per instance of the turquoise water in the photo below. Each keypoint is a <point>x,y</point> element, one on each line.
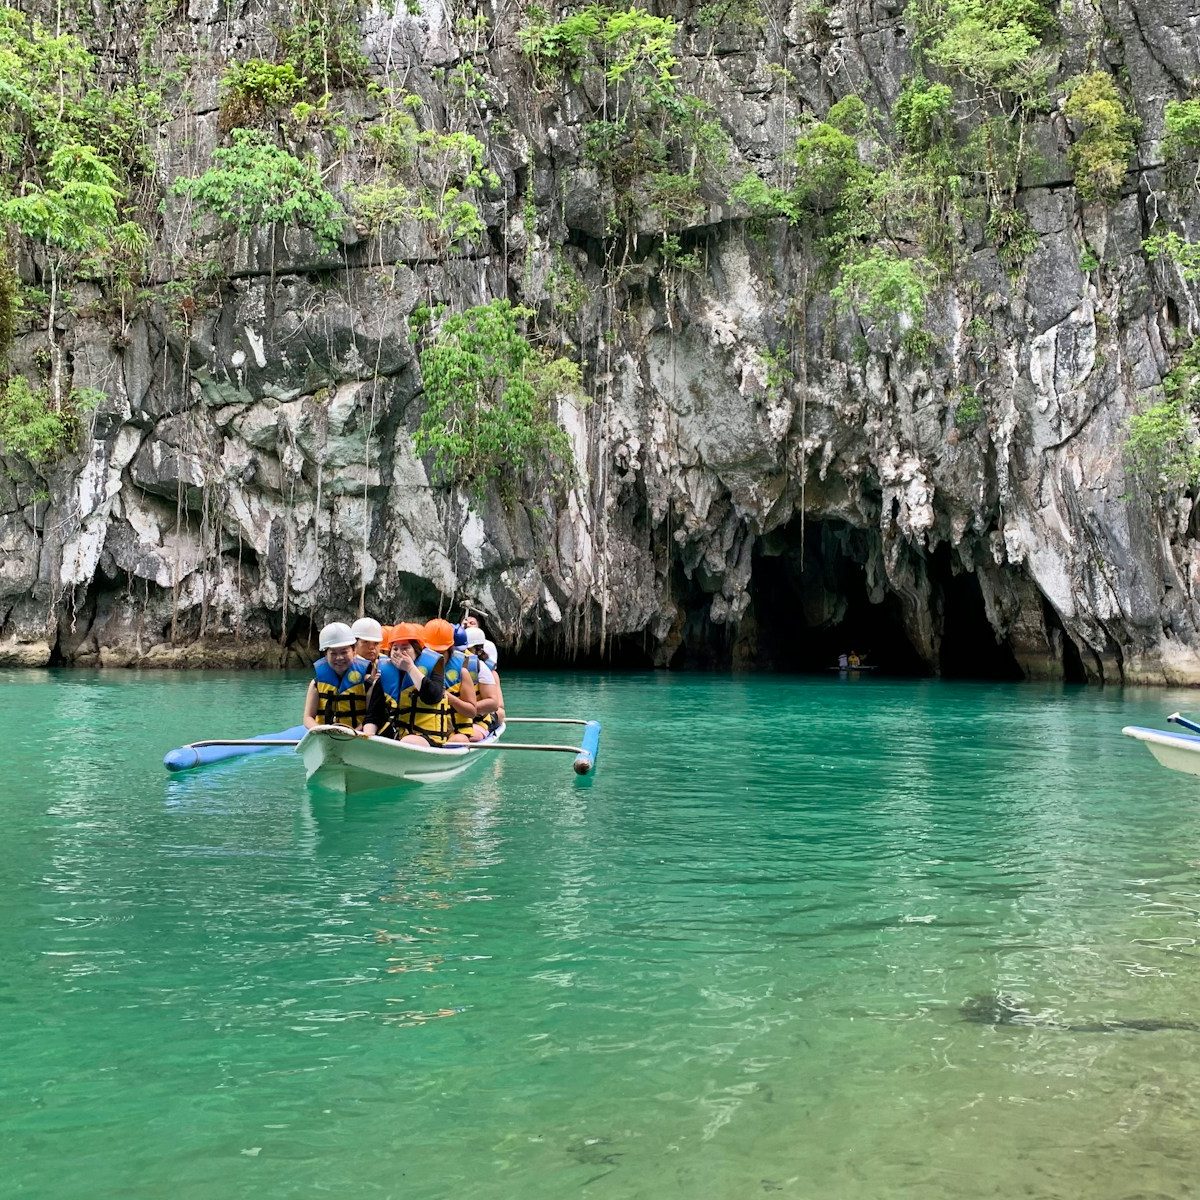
<point>729,965</point>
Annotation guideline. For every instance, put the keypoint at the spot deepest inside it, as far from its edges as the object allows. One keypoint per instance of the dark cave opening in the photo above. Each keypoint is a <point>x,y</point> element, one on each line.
<point>811,606</point>
<point>1072,660</point>
<point>969,648</point>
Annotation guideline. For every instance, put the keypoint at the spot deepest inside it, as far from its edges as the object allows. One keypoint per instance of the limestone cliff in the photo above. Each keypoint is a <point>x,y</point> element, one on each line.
<point>751,452</point>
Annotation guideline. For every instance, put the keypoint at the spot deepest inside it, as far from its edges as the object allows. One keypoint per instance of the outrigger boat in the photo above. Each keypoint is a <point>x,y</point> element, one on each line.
<point>1177,751</point>
<point>338,758</point>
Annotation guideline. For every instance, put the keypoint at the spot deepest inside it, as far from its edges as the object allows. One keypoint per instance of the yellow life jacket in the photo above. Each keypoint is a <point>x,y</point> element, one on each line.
<point>341,700</point>
<point>397,695</point>
<point>460,665</point>
<point>432,720</point>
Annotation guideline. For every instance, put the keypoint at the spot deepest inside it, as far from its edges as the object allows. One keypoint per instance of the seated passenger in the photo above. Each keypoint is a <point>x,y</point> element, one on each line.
<point>487,698</point>
<point>338,692</point>
<point>404,682</point>
<point>460,687</point>
<point>490,656</point>
<point>369,635</point>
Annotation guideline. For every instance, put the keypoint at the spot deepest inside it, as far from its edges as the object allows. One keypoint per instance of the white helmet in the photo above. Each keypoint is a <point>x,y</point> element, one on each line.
<point>367,629</point>
<point>336,635</point>
<point>489,649</point>
<point>474,637</point>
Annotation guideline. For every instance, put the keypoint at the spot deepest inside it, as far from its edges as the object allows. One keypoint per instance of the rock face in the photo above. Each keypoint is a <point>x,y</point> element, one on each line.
<point>751,456</point>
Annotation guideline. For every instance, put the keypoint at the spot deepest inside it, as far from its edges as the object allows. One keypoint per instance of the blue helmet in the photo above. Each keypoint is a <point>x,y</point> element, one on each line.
<point>460,637</point>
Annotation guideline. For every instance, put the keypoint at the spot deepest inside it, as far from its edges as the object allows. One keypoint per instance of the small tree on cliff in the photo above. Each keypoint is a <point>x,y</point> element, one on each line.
<point>489,398</point>
<point>254,182</point>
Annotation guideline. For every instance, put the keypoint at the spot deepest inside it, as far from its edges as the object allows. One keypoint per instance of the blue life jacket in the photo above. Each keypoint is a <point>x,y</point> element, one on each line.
<point>341,699</point>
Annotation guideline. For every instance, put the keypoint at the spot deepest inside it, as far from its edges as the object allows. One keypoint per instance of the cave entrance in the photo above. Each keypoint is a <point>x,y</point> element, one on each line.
<point>969,648</point>
<point>810,608</point>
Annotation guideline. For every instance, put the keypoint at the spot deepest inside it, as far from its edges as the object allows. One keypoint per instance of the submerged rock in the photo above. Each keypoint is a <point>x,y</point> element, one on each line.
<point>1000,1009</point>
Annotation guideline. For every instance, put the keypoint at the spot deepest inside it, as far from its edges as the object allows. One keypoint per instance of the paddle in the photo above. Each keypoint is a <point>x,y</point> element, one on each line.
<point>1184,722</point>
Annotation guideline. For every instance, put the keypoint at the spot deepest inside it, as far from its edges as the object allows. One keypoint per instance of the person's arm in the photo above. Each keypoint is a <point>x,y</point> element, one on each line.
<point>310,707</point>
<point>428,688</point>
<point>464,702</point>
<point>376,714</point>
<point>499,693</point>
<point>487,699</point>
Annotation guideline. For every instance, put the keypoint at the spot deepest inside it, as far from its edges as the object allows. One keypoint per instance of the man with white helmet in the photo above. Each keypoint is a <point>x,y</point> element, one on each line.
<point>487,689</point>
<point>369,637</point>
<point>338,692</point>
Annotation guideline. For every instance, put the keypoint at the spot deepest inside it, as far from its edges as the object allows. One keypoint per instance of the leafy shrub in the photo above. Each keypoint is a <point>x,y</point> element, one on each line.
<point>1181,146</point>
<point>489,398</point>
<point>324,44</point>
<point>256,91</point>
<point>631,46</point>
<point>78,213</point>
<point>425,177</point>
<point>1185,254</point>
<point>1182,121</point>
<point>646,124</point>
<point>1101,153</point>
<point>256,183</point>
<point>992,43</point>
<point>827,167</point>
<point>1162,439</point>
<point>968,409</point>
<point>921,113</point>
<point>30,426</point>
<point>918,344</point>
<point>882,285</point>
<point>849,114</point>
<point>1009,230</point>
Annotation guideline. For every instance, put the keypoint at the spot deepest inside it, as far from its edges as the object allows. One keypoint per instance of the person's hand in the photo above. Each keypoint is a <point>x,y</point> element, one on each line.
<point>404,662</point>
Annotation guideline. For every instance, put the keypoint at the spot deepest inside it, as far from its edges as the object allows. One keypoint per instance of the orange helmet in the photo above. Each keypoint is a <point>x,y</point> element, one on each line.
<point>406,631</point>
<point>438,635</point>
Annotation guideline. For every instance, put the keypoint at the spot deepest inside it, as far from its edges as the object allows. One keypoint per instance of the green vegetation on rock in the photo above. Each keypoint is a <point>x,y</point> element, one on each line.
<point>255,183</point>
<point>424,176</point>
<point>1169,245</point>
<point>257,91</point>
<point>323,43</point>
<point>1163,441</point>
<point>490,397</point>
<point>33,426</point>
<point>881,285</point>
<point>1101,153</point>
<point>646,133</point>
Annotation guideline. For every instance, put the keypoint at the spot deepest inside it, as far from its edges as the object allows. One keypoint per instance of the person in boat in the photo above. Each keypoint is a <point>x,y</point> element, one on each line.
<point>853,660</point>
<point>337,694</point>
<point>443,638</point>
<point>487,689</point>
<point>843,661</point>
<point>404,682</point>
<point>368,635</point>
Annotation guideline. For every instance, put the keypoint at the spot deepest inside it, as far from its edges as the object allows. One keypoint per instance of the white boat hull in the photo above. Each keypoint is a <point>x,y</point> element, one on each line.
<point>1178,751</point>
<point>338,758</point>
